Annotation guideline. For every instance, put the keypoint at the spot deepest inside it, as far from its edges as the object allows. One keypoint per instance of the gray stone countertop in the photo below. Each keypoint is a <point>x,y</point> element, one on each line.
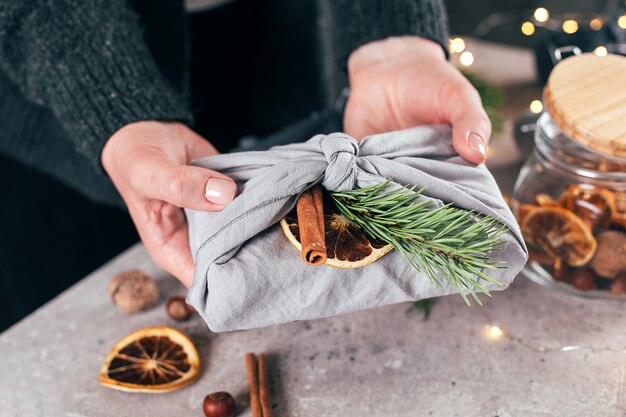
<point>559,355</point>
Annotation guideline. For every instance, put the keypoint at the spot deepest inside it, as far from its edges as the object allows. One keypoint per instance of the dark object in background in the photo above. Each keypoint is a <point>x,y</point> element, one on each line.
<point>559,45</point>
<point>79,236</point>
<point>257,67</point>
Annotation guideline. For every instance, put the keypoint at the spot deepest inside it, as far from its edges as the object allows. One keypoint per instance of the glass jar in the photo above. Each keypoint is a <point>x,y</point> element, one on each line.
<point>570,202</point>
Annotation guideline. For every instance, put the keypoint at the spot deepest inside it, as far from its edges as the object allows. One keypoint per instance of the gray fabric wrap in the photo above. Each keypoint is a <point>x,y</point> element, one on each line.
<point>248,274</point>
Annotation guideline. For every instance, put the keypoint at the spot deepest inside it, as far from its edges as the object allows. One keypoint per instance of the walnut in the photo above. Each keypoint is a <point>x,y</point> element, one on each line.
<point>610,257</point>
<point>133,291</point>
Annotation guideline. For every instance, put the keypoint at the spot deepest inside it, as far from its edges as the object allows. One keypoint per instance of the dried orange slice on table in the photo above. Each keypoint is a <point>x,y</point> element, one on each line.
<point>346,245</point>
<point>154,359</point>
<point>560,233</point>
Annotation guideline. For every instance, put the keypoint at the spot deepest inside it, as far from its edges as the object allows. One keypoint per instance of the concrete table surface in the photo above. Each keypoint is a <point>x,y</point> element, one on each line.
<point>382,362</point>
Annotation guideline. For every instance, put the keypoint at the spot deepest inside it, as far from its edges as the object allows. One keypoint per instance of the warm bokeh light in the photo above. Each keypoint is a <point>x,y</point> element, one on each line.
<point>494,332</point>
<point>621,21</point>
<point>457,45</point>
<point>536,106</point>
<point>541,15</point>
<point>466,59</point>
<point>528,28</point>
<point>570,26</point>
<point>595,23</point>
<point>600,51</point>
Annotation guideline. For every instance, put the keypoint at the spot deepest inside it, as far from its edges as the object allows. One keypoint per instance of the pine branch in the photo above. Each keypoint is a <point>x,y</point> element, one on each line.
<point>445,243</point>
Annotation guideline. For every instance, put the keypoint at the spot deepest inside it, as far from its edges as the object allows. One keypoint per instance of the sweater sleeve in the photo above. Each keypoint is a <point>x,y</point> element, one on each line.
<point>357,22</point>
<point>87,61</point>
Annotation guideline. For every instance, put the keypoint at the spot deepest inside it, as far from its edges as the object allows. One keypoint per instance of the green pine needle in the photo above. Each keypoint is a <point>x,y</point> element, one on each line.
<point>446,243</point>
<point>424,306</point>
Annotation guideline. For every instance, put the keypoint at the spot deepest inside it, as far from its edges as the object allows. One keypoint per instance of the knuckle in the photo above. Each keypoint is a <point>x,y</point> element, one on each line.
<point>175,186</point>
<point>449,90</point>
<point>137,179</point>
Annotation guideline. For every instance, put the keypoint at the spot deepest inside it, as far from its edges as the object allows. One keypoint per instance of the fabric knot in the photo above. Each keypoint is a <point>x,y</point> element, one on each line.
<point>340,151</point>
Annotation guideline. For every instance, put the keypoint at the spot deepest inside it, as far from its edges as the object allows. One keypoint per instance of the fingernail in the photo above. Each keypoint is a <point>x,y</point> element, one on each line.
<point>220,191</point>
<point>477,144</point>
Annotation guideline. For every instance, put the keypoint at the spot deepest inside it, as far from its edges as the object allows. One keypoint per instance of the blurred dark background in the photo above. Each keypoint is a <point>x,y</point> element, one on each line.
<point>465,16</point>
<point>59,236</point>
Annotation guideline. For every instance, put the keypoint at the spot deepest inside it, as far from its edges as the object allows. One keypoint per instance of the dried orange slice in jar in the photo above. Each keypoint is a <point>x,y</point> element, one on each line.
<point>544,200</point>
<point>619,217</point>
<point>154,359</point>
<point>594,206</point>
<point>346,245</point>
<point>620,201</point>
<point>560,234</point>
<point>522,211</point>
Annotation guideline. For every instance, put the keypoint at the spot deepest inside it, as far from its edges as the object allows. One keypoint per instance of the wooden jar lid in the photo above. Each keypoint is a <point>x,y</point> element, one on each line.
<point>586,97</point>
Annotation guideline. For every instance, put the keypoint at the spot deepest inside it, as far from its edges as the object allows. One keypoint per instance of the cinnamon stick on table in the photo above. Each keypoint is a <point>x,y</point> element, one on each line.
<point>252,371</point>
<point>310,211</point>
<point>264,387</point>
<point>258,385</point>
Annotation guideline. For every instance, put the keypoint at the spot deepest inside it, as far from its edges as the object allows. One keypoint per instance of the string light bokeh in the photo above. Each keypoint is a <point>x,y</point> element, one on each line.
<point>596,23</point>
<point>570,26</point>
<point>541,15</point>
<point>542,18</point>
<point>494,332</point>
<point>536,106</point>
<point>528,28</point>
<point>600,51</point>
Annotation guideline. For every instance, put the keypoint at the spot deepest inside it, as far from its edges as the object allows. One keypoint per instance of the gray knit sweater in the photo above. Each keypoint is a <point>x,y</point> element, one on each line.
<point>87,60</point>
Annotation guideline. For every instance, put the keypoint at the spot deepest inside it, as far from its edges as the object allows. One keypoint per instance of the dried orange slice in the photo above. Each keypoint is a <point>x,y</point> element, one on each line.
<point>154,359</point>
<point>346,245</point>
<point>522,211</point>
<point>620,201</point>
<point>544,200</point>
<point>593,205</point>
<point>560,233</point>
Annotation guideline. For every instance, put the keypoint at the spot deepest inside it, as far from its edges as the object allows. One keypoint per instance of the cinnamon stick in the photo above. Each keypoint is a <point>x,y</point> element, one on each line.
<point>252,371</point>
<point>264,387</point>
<point>310,211</point>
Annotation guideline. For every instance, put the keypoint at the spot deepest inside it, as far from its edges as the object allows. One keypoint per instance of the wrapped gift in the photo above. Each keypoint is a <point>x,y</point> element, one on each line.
<point>248,272</point>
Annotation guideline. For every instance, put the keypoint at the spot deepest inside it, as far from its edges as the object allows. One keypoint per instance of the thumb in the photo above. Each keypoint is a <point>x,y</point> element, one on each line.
<point>191,187</point>
<point>471,128</point>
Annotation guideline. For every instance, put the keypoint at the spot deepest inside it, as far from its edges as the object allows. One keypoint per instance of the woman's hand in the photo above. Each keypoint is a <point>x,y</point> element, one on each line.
<point>147,162</point>
<point>402,82</point>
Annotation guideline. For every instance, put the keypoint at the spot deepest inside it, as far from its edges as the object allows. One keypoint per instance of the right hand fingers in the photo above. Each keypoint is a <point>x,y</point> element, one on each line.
<point>471,127</point>
<point>188,186</point>
<point>163,231</point>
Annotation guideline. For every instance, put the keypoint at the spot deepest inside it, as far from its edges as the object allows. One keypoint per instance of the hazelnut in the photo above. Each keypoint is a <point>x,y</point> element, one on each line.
<point>219,404</point>
<point>540,257</point>
<point>583,279</point>
<point>133,291</point>
<point>178,309</point>
<point>610,257</point>
<point>618,286</point>
<point>560,272</point>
